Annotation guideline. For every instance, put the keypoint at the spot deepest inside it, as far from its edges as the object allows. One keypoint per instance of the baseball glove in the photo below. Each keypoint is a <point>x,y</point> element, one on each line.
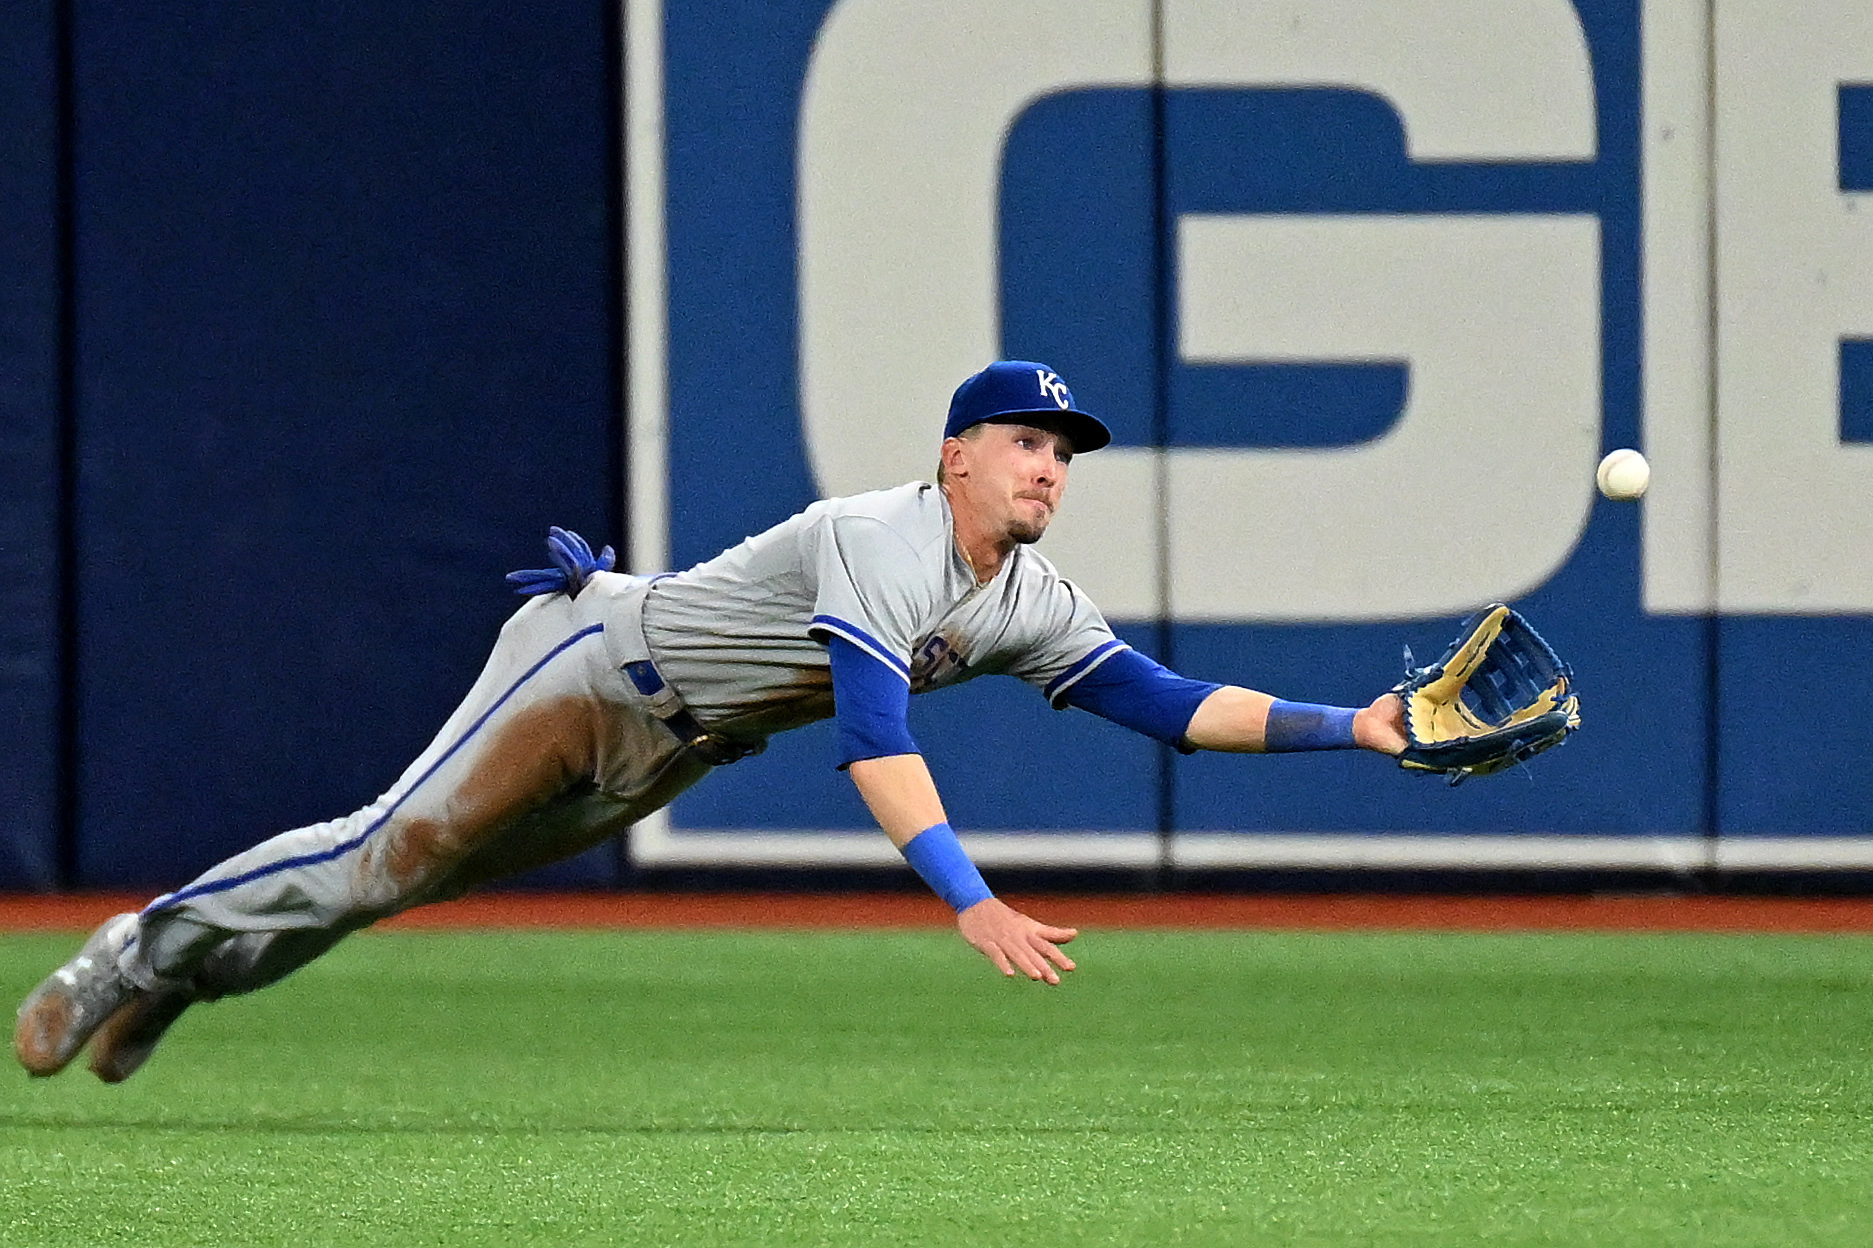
<point>1499,696</point>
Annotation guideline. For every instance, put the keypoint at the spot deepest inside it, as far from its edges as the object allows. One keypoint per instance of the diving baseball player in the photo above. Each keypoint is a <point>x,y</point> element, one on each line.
<point>607,695</point>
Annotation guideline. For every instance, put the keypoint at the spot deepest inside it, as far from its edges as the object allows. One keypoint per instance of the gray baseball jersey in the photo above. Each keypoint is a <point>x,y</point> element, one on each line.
<point>741,636</point>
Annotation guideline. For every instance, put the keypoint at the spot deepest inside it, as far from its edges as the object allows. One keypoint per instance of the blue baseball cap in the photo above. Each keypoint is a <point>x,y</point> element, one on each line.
<point>1007,390</point>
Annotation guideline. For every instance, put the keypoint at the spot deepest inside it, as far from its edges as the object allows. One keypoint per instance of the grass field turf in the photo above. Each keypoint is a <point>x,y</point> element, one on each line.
<point>885,1087</point>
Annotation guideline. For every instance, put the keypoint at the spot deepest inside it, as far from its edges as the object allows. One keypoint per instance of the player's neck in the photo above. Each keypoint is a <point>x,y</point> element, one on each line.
<point>986,567</point>
<point>981,549</point>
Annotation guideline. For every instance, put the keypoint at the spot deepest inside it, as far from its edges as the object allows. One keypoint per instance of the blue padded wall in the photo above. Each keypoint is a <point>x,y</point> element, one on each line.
<point>29,445</point>
<point>346,347</point>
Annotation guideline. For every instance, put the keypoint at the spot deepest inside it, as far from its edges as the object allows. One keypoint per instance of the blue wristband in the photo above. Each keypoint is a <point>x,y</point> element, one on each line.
<point>937,856</point>
<point>1296,726</point>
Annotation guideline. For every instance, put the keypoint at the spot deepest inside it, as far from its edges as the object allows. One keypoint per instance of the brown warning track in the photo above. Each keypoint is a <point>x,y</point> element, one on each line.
<point>902,910</point>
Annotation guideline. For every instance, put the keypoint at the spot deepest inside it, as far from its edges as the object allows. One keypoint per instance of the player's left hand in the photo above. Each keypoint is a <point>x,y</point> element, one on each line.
<point>1381,726</point>
<point>1014,942</point>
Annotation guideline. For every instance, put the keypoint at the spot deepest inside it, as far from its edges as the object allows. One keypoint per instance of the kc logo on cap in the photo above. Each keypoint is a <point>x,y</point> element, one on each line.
<point>1055,389</point>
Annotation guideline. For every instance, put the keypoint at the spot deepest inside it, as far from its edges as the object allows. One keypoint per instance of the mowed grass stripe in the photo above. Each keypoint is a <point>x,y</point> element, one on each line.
<point>887,1087</point>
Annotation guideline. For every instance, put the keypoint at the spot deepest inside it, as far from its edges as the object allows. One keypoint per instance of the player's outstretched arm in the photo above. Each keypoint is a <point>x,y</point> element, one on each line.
<point>1118,683</point>
<point>903,798</point>
<point>1245,721</point>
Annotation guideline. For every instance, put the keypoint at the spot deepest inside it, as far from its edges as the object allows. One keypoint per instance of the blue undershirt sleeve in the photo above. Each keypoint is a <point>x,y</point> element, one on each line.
<point>1141,694</point>
<point>872,702</point>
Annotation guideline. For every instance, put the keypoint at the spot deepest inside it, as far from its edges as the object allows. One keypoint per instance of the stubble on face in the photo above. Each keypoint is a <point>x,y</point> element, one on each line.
<point>1027,532</point>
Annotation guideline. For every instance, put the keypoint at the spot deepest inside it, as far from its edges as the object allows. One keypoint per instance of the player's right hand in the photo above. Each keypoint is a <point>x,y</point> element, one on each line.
<point>1016,943</point>
<point>1381,726</point>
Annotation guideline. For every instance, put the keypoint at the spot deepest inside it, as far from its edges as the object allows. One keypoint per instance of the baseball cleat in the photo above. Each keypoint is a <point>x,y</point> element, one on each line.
<point>73,1002</point>
<point>129,1036</point>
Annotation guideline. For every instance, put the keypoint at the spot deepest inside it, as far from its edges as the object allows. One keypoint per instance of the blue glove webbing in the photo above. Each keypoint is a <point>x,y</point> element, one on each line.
<point>872,703</point>
<point>1294,726</point>
<point>937,856</point>
<point>1141,694</point>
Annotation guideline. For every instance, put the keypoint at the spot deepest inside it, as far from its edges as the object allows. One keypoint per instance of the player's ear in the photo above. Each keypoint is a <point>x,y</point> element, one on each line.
<point>954,455</point>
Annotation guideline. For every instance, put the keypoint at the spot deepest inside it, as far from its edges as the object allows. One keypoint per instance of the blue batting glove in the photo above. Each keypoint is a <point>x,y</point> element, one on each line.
<point>573,565</point>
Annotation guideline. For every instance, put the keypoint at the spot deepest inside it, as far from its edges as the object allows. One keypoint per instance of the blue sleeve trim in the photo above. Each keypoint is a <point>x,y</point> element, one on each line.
<point>1141,694</point>
<point>833,626</point>
<point>871,702</point>
<point>1296,726</point>
<point>937,856</point>
<point>1072,676</point>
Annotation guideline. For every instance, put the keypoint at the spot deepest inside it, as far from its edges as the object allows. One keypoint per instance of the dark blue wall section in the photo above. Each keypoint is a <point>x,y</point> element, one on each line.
<point>1856,390</point>
<point>346,348</point>
<point>1794,748</point>
<point>29,445</point>
<point>1856,136</point>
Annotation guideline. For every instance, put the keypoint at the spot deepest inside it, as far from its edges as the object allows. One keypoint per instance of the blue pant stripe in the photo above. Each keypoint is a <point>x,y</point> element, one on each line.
<point>170,900</point>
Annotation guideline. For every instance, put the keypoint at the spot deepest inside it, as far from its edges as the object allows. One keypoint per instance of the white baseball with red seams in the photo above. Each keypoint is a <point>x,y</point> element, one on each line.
<point>1623,475</point>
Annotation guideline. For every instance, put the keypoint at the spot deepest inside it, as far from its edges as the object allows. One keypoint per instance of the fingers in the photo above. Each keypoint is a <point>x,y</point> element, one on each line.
<point>570,542</point>
<point>1057,956</point>
<point>1016,943</point>
<point>1035,955</point>
<point>1013,954</point>
<point>1000,959</point>
<point>1033,965</point>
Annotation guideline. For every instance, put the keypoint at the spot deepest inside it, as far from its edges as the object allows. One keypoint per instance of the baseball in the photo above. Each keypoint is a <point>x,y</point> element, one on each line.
<point>1623,474</point>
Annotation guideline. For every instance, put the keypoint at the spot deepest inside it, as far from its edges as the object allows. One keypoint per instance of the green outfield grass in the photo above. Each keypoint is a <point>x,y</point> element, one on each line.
<point>783,1089</point>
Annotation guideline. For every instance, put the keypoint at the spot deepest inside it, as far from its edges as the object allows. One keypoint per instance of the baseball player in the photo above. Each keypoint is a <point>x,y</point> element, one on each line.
<point>607,695</point>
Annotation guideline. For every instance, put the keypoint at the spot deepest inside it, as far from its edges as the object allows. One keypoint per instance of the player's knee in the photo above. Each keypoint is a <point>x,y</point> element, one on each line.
<point>402,861</point>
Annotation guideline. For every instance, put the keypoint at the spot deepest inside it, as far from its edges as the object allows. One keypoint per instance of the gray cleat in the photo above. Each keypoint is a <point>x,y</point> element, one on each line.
<point>60,1015</point>
<point>129,1036</point>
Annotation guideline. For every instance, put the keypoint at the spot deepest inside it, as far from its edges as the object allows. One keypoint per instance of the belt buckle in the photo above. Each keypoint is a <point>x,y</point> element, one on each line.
<point>720,751</point>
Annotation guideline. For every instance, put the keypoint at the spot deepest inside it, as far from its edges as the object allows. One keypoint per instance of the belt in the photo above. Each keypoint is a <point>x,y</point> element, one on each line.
<point>711,748</point>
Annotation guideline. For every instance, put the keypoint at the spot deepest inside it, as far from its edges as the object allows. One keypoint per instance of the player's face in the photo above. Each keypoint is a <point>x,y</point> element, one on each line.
<point>1012,477</point>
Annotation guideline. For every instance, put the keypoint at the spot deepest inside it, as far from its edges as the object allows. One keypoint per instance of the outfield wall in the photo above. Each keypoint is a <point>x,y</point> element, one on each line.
<point>321,322</point>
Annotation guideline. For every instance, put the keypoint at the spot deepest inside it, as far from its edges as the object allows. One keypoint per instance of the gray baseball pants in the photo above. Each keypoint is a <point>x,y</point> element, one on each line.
<point>552,751</point>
